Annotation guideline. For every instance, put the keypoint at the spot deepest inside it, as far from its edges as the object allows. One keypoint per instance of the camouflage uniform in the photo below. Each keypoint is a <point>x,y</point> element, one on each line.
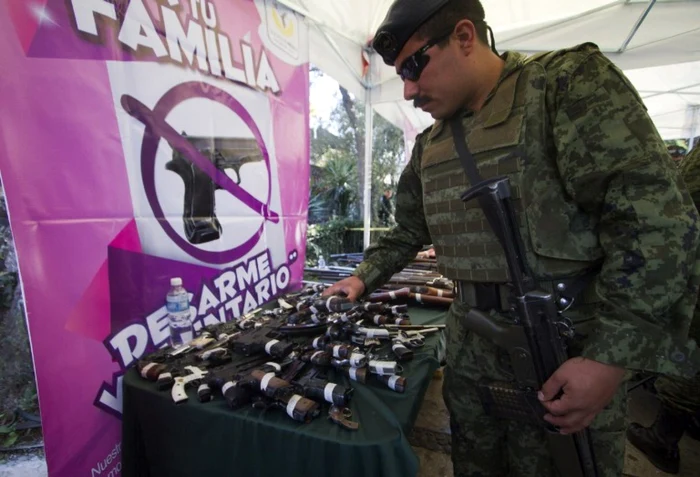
<point>680,393</point>
<point>679,396</point>
<point>690,171</point>
<point>592,183</point>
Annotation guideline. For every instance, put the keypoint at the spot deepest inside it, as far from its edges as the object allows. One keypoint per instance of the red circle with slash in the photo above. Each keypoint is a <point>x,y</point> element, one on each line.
<point>156,128</point>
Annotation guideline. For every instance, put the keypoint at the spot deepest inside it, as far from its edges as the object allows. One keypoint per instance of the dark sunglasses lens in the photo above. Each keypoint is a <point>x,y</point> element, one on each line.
<point>413,67</point>
<point>409,70</point>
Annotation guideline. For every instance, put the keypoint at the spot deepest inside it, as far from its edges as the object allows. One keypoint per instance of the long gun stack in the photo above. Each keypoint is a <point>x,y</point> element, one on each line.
<point>286,356</point>
<point>419,282</point>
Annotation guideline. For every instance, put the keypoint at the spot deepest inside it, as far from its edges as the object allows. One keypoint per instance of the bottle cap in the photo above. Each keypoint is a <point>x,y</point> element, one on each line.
<point>176,282</point>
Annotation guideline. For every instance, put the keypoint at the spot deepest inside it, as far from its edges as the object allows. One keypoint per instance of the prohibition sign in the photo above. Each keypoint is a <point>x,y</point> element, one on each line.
<point>157,128</point>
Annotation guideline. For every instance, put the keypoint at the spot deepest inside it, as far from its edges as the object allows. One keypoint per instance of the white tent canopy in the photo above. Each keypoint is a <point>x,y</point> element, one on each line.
<point>634,34</point>
<point>656,42</point>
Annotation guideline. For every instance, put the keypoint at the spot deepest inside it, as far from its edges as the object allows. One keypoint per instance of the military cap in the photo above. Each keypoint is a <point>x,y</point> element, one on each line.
<point>401,22</point>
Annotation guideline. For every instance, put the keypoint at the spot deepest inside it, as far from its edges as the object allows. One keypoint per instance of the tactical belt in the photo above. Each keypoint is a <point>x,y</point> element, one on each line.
<point>495,296</point>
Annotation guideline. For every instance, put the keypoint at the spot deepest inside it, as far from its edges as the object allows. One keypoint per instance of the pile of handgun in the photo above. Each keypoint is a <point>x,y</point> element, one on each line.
<point>287,356</point>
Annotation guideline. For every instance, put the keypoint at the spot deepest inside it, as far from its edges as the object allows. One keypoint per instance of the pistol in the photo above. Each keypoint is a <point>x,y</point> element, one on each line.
<point>200,221</point>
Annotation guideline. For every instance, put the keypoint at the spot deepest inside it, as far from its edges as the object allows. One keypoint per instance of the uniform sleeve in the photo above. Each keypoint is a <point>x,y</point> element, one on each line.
<point>615,166</point>
<point>690,171</point>
<point>395,249</point>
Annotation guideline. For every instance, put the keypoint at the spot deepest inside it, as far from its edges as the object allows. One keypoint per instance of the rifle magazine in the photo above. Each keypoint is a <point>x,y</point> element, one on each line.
<point>507,401</point>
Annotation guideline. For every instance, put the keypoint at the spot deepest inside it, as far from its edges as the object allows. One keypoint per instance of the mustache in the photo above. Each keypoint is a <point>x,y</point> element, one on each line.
<point>420,101</point>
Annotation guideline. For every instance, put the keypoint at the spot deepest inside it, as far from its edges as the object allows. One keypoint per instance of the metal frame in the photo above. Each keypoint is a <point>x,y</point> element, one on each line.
<point>625,44</point>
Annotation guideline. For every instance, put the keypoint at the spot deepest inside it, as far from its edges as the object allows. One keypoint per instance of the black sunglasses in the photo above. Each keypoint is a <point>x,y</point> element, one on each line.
<point>413,66</point>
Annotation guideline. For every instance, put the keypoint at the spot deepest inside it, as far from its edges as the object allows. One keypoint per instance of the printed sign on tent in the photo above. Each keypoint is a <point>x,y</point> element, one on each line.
<point>143,140</point>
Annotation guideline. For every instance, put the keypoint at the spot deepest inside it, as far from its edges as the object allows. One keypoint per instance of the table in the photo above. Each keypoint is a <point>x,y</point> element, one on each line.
<point>195,439</point>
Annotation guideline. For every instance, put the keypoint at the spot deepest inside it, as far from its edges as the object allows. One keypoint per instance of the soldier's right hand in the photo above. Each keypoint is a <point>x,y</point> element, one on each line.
<point>351,287</point>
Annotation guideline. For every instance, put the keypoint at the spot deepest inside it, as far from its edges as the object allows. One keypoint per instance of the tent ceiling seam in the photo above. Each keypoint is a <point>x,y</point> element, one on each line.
<point>664,39</point>
<point>555,23</point>
<point>636,26</point>
<point>673,91</point>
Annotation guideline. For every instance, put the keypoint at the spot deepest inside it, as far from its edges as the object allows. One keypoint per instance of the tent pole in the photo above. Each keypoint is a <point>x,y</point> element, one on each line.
<point>636,26</point>
<point>367,190</point>
<point>694,124</point>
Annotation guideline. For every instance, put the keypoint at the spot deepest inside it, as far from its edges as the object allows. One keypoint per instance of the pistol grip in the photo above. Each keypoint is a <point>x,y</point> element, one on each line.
<point>200,222</point>
<point>178,391</point>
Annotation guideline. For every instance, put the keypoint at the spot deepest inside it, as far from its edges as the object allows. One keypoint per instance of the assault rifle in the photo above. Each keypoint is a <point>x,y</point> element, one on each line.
<point>535,340</point>
<point>407,295</point>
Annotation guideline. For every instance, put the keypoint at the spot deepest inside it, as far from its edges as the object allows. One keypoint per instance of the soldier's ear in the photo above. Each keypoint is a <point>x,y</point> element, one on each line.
<point>465,32</point>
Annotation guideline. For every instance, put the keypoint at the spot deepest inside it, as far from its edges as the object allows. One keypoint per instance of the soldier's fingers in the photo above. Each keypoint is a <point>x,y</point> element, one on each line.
<point>561,406</point>
<point>567,422</point>
<point>351,294</point>
<point>552,387</point>
<point>332,290</point>
<point>571,423</point>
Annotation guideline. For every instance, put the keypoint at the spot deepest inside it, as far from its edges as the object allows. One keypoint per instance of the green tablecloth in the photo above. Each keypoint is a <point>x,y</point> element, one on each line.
<point>194,439</point>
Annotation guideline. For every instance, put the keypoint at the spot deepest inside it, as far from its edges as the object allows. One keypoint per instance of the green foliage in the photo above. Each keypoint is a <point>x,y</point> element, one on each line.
<point>8,431</point>
<point>8,283</point>
<point>29,402</point>
<point>8,279</point>
<point>337,149</point>
<point>327,239</point>
<point>15,431</point>
<point>336,185</point>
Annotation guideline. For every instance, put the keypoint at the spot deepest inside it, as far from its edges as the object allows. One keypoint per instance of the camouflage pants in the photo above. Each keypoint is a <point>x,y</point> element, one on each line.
<point>681,394</point>
<point>484,446</point>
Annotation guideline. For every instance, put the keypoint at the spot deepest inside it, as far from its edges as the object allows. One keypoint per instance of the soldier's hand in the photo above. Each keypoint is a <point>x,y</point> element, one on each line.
<point>351,287</point>
<point>578,391</point>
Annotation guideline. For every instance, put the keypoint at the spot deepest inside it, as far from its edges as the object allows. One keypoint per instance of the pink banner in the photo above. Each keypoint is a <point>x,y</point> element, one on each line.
<point>142,140</point>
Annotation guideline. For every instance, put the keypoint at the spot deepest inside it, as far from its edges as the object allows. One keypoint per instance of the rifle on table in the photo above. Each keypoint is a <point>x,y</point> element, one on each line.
<point>535,341</point>
<point>406,294</point>
<point>416,280</point>
<point>423,290</point>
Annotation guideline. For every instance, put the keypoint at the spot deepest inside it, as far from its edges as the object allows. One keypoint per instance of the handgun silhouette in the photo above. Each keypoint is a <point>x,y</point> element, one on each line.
<point>201,223</point>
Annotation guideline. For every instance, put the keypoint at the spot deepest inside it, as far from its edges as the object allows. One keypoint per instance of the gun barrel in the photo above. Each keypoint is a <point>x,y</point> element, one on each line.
<point>389,296</point>
<point>430,299</point>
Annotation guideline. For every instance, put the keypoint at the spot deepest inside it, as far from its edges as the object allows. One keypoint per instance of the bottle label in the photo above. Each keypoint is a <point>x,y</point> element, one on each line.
<point>177,303</point>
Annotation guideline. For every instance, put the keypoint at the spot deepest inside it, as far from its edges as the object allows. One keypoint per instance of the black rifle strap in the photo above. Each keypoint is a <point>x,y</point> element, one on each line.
<point>469,165</point>
<point>465,155</point>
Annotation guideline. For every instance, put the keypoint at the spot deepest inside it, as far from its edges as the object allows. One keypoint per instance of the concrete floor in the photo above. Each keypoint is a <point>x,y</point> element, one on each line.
<point>430,438</point>
<point>31,464</point>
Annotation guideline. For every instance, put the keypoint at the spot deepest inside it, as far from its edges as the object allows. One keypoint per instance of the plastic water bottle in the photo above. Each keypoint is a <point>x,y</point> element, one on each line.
<point>321,262</point>
<point>177,302</point>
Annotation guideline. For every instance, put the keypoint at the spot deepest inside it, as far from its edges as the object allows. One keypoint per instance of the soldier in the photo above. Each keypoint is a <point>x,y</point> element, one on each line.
<point>386,211</point>
<point>595,191</point>
<point>680,398</point>
<point>690,171</point>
